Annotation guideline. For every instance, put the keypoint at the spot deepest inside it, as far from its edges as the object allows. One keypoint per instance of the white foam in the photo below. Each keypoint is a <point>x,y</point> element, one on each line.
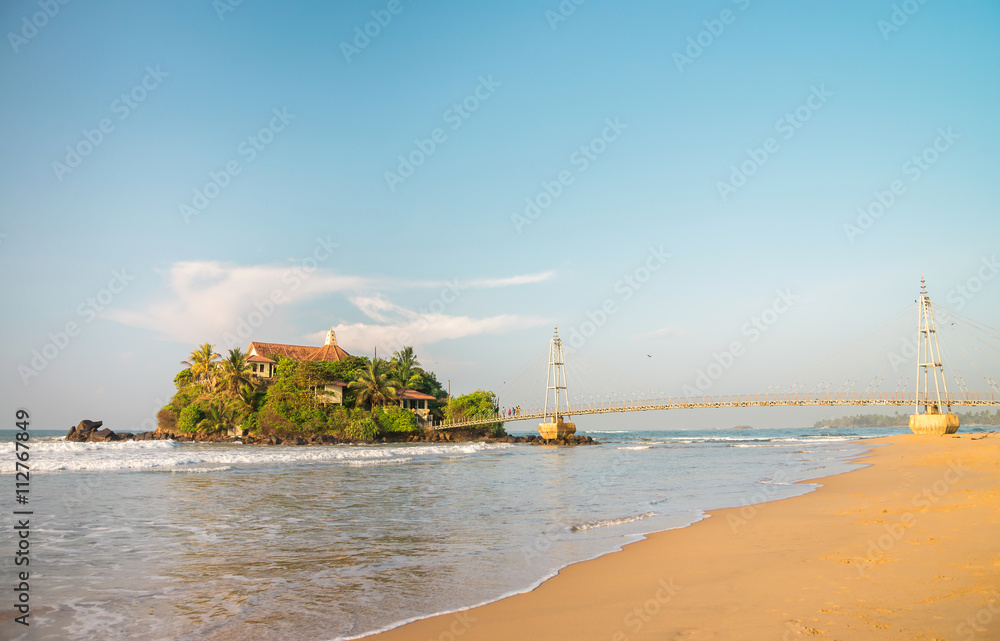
<point>390,461</point>
<point>611,522</point>
<point>200,457</point>
<point>636,447</point>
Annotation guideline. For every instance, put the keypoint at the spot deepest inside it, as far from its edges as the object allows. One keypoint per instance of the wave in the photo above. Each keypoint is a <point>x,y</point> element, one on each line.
<point>636,447</point>
<point>195,470</point>
<point>388,461</point>
<point>61,445</point>
<point>611,522</point>
<point>169,455</point>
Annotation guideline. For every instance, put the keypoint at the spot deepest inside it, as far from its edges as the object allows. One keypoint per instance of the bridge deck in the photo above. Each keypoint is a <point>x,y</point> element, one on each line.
<point>735,400</point>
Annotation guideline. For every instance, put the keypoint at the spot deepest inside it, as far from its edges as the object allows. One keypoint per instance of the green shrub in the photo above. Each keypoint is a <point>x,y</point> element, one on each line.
<point>363,428</point>
<point>396,420</point>
<point>189,418</point>
<point>166,418</point>
<point>270,422</point>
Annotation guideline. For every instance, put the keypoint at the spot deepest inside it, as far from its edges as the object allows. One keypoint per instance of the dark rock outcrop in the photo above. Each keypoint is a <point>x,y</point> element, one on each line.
<point>82,432</point>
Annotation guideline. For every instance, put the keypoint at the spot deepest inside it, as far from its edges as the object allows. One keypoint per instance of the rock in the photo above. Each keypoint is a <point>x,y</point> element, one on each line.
<point>83,430</point>
<point>102,435</point>
<point>125,436</point>
<point>298,440</point>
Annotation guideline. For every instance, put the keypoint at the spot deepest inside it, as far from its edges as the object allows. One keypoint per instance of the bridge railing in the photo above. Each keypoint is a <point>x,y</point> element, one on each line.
<point>735,400</point>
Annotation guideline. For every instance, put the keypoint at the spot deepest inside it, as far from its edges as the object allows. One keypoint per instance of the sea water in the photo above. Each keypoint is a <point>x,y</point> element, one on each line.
<point>163,540</point>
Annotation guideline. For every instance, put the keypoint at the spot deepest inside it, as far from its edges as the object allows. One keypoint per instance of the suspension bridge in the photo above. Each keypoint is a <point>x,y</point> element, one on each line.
<point>928,394</point>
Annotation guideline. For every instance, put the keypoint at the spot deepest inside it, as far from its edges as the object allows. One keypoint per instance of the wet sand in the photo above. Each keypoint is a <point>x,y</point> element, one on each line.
<point>907,548</point>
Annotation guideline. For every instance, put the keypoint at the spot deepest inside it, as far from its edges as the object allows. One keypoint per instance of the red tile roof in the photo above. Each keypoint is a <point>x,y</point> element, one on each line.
<point>259,359</point>
<point>328,353</point>
<point>298,352</point>
<point>414,395</point>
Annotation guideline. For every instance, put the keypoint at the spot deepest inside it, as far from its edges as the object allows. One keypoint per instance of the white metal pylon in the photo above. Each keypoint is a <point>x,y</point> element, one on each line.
<point>555,378</point>
<point>929,355</point>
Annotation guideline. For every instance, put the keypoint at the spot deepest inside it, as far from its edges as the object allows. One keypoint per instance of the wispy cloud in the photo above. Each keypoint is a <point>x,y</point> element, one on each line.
<point>670,332</point>
<point>209,298</point>
<point>424,329</point>
<point>525,279</point>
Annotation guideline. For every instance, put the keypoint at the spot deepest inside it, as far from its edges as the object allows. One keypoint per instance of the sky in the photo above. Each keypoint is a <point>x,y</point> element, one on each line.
<point>462,177</point>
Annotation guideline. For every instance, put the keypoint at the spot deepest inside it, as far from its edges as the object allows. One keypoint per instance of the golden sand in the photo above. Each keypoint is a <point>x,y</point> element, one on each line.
<point>908,548</point>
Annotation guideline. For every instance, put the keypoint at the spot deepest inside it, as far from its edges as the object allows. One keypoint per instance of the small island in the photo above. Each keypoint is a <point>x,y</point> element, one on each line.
<point>278,393</point>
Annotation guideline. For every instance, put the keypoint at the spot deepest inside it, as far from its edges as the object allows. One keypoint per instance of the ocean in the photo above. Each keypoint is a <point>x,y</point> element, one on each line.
<point>156,540</point>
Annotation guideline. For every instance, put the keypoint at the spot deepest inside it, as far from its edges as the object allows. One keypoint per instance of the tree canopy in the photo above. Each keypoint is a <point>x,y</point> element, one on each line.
<point>215,395</point>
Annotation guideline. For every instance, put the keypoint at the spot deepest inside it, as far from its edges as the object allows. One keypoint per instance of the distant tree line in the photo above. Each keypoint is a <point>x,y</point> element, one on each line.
<point>983,417</point>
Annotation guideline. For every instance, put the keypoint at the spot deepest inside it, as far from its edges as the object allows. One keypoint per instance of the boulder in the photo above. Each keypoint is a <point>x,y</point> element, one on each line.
<point>83,430</point>
<point>101,435</point>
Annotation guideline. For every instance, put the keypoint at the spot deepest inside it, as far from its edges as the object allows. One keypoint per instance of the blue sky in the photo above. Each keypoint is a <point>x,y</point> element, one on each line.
<point>636,116</point>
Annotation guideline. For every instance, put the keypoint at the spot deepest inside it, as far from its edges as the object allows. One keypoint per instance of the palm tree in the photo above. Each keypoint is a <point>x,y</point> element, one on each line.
<point>219,418</point>
<point>405,368</point>
<point>236,373</point>
<point>203,365</point>
<point>248,395</point>
<point>373,385</point>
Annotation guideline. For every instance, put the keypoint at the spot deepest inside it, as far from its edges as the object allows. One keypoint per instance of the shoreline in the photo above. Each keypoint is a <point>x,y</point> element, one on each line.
<point>789,568</point>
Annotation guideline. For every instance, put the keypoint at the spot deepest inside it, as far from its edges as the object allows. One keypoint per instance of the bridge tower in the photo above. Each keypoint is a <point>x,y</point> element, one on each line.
<point>555,380</point>
<point>931,421</point>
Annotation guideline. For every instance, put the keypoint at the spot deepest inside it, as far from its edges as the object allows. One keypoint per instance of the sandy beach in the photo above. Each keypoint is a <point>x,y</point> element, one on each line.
<point>906,548</point>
